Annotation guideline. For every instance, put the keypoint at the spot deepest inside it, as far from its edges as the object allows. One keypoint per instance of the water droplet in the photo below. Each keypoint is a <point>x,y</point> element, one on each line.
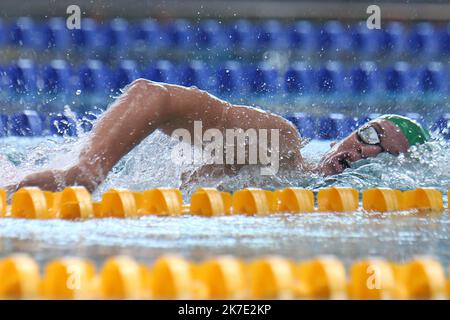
<point>78,92</point>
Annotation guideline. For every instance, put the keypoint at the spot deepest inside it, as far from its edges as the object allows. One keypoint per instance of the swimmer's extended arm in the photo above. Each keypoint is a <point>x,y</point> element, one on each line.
<point>146,106</point>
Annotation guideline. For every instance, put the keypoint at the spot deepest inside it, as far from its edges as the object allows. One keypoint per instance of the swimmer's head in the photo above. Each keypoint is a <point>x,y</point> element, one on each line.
<point>389,133</point>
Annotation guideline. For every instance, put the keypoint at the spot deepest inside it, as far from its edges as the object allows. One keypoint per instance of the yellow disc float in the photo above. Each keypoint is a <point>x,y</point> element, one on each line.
<point>294,200</point>
<point>120,278</point>
<point>372,279</point>
<point>76,203</point>
<point>322,278</point>
<point>3,205</point>
<point>172,278</point>
<point>68,278</point>
<point>163,201</point>
<point>338,200</point>
<point>271,278</point>
<point>252,201</point>
<point>53,203</point>
<point>382,199</point>
<point>423,198</point>
<point>118,203</point>
<point>29,202</point>
<point>224,278</point>
<point>19,277</point>
<point>209,202</point>
<point>422,278</point>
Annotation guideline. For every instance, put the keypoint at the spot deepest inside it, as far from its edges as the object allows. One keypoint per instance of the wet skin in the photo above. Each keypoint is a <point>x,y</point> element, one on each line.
<point>146,106</point>
<point>352,148</point>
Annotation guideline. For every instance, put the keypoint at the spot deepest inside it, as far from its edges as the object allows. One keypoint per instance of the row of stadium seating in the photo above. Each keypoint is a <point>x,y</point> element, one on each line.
<point>330,126</point>
<point>26,77</point>
<point>333,36</point>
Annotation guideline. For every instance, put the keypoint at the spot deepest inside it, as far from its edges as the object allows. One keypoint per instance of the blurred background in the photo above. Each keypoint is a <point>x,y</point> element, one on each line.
<point>315,62</point>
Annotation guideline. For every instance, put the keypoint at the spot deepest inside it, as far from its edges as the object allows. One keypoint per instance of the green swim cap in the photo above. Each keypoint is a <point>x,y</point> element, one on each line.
<point>414,132</point>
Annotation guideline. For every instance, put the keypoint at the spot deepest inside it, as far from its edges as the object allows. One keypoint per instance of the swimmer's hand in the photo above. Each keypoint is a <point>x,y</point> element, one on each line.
<point>57,180</point>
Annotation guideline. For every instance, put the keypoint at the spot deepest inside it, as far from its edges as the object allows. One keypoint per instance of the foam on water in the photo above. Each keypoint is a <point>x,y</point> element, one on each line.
<point>397,236</point>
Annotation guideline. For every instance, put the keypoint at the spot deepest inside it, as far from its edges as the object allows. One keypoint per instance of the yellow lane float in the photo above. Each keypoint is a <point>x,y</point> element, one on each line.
<point>294,200</point>
<point>210,202</point>
<point>271,278</point>
<point>223,277</point>
<point>29,203</point>
<point>423,198</point>
<point>118,203</point>
<point>3,205</point>
<point>252,201</point>
<point>321,278</point>
<point>162,201</point>
<point>382,200</point>
<point>338,200</point>
<point>172,278</point>
<point>372,279</point>
<point>76,202</point>
<point>421,278</point>
<point>19,277</point>
<point>121,278</point>
<point>69,278</point>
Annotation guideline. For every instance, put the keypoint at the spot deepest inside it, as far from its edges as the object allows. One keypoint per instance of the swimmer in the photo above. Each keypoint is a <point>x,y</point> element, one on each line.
<point>146,106</point>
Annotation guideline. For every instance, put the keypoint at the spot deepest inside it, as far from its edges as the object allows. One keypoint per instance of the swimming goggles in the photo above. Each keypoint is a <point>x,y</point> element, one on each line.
<point>369,135</point>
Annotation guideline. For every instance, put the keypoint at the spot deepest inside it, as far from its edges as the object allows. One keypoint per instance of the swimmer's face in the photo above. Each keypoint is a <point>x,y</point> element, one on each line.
<point>353,148</point>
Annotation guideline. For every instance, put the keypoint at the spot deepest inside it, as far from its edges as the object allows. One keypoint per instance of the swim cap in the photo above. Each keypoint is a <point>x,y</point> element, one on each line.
<point>414,132</point>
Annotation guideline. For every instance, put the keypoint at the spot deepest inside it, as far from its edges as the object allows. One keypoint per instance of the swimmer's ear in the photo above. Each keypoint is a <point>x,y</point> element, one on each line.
<point>332,143</point>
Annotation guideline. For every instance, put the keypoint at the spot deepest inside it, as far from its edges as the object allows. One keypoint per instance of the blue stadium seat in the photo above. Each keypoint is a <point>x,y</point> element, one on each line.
<point>264,79</point>
<point>118,33</point>
<point>56,34</point>
<point>422,39</point>
<point>330,77</point>
<point>61,125</point>
<point>180,33</point>
<point>94,77</point>
<point>3,33</point>
<point>161,71</point>
<point>91,35</point>
<point>332,37</point>
<point>27,123</point>
<point>335,126</point>
<point>364,78</point>
<point>194,74</point>
<point>210,34</point>
<point>23,76</point>
<point>366,41</point>
<point>305,124</point>
<point>25,32</point>
<point>230,78</point>
<point>442,125</point>
<point>86,120</point>
<point>302,35</point>
<point>432,77</point>
<point>270,34</point>
<point>298,78</point>
<point>56,77</point>
<point>397,76</point>
<point>3,125</point>
<point>393,38</point>
<point>150,32</point>
<point>240,33</point>
<point>444,40</point>
<point>124,74</point>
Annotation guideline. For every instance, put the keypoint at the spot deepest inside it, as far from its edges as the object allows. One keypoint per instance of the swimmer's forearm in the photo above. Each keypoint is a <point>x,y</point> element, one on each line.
<point>140,110</point>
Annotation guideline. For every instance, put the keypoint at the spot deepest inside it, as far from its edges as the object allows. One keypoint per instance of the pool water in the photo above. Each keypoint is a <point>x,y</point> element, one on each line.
<point>396,236</point>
